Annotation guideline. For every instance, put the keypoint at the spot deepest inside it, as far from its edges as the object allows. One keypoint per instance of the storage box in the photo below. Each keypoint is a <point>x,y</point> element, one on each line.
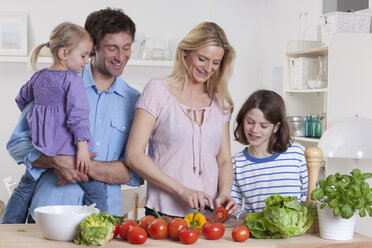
<point>343,22</point>
<point>301,70</point>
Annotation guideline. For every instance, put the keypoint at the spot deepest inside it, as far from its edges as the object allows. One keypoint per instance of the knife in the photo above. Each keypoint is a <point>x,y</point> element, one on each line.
<point>208,208</point>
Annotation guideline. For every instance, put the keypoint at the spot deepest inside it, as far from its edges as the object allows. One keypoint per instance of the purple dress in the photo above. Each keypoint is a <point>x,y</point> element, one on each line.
<point>60,116</point>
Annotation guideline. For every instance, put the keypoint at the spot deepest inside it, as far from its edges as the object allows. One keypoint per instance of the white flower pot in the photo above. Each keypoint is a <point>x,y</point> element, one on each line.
<point>334,227</point>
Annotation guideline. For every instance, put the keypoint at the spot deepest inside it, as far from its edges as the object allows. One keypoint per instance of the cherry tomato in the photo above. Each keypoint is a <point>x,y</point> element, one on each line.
<point>189,236</point>
<point>175,226</point>
<point>124,228</point>
<point>116,230</point>
<point>137,235</point>
<point>213,231</point>
<point>146,221</point>
<point>240,233</point>
<point>158,229</point>
<point>220,214</point>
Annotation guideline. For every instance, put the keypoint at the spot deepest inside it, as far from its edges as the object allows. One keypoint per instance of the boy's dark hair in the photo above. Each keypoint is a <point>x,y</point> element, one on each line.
<point>272,106</point>
<point>108,21</point>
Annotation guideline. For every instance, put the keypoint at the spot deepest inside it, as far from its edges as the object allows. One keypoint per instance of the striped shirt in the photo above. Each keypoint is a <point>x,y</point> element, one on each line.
<point>256,179</point>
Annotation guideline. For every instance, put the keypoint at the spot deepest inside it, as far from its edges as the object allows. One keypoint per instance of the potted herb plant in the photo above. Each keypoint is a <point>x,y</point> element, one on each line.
<point>342,195</point>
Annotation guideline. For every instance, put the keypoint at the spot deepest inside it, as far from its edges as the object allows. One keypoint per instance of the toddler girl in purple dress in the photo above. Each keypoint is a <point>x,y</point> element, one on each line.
<point>59,117</point>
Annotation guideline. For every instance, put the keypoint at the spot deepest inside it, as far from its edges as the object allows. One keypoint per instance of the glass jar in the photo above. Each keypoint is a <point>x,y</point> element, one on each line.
<point>317,127</point>
<point>309,126</point>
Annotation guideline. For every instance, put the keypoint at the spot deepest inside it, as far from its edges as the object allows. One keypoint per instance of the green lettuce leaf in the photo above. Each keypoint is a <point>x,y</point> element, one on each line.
<point>96,229</point>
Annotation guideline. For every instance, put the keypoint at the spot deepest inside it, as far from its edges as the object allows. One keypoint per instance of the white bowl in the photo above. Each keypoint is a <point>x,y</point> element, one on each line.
<point>59,222</point>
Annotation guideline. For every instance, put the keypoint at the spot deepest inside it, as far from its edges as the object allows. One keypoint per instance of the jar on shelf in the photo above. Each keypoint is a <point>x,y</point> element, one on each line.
<point>317,127</point>
<point>309,126</point>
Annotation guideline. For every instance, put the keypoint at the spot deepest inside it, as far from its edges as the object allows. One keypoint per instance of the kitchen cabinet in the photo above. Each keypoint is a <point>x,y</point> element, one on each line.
<point>28,235</point>
<point>349,81</point>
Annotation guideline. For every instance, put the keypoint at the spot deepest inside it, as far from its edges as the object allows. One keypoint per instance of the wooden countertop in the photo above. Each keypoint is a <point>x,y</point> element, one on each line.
<point>28,235</point>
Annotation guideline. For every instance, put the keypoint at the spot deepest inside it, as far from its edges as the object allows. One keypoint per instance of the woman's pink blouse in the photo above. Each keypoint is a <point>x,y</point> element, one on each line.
<point>178,144</point>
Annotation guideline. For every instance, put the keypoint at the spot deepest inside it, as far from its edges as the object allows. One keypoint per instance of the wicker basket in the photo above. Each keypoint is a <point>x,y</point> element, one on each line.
<point>301,70</point>
<point>343,22</point>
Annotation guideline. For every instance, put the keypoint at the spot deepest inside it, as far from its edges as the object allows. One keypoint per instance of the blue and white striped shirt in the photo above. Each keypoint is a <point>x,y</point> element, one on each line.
<point>256,179</point>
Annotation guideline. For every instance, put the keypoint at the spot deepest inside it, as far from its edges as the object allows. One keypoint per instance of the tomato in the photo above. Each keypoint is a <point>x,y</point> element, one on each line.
<point>158,229</point>
<point>213,231</point>
<point>116,230</point>
<point>240,233</point>
<point>167,219</point>
<point>146,221</point>
<point>124,228</point>
<point>220,214</point>
<point>137,235</point>
<point>189,236</point>
<point>175,226</point>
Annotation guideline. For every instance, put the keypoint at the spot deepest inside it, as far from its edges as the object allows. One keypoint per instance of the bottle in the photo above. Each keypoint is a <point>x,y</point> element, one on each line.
<point>143,51</point>
<point>309,126</point>
<point>317,127</point>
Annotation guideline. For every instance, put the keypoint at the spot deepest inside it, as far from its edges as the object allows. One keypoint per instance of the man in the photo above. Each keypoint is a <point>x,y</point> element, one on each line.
<point>112,106</point>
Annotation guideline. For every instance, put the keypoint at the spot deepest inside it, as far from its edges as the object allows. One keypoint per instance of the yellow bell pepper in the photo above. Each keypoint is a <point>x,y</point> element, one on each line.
<point>195,220</point>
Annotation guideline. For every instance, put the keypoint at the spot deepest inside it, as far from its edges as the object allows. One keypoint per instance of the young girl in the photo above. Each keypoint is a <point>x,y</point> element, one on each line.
<point>272,162</point>
<point>59,117</point>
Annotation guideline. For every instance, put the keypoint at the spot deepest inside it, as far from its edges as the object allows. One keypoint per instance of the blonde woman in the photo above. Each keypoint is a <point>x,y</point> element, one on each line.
<point>185,119</point>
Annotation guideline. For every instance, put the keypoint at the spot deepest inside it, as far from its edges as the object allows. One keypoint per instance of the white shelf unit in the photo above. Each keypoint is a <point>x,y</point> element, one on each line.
<point>304,101</point>
<point>132,62</point>
<point>349,83</point>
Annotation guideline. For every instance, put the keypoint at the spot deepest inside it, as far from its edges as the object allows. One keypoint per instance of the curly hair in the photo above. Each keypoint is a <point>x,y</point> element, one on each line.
<point>272,106</point>
<point>108,21</point>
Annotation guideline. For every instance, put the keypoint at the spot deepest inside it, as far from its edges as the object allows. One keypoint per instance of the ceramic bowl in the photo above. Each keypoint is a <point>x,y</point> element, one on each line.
<point>60,222</point>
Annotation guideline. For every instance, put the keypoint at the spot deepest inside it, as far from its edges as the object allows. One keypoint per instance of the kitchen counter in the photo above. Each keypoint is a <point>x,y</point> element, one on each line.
<point>28,235</point>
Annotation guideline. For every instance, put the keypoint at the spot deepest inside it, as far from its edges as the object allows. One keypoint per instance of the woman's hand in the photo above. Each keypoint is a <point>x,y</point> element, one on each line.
<point>195,199</point>
<point>228,202</point>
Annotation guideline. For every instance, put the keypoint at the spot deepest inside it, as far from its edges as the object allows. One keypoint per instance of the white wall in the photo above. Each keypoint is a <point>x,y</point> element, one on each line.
<point>281,22</point>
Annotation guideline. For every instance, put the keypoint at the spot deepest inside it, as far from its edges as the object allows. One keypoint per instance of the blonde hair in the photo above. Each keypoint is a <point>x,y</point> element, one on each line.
<point>203,35</point>
<point>66,35</point>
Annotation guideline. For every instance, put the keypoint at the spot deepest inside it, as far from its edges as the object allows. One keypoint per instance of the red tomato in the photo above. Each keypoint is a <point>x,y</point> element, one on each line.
<point>189,236</point>
<point>158,229</point>
<point>240,233</point>
<point>220,214</point>
<point>137,235</point>
<point>213,231</point>
<point>146,221</point>
<point>124,228</point>
<point>167,219</point>
<point>116,230</point>
<point>175,226</point>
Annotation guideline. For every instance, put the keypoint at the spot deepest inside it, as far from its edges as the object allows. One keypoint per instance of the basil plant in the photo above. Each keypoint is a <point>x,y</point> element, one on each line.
<point>345,194</point>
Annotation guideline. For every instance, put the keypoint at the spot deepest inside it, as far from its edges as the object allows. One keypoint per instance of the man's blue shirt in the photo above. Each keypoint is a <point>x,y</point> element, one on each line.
<point>111,116</point>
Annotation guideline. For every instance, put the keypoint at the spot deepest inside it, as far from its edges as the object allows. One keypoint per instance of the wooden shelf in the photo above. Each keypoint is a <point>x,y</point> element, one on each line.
<point>132,62</point>
<point>318,51</point>
<point>312,140</point>
<point>307,90</point>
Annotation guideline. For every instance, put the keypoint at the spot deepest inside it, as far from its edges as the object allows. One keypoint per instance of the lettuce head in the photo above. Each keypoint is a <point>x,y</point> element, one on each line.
<point>283,217</point>
<point>96,229</point>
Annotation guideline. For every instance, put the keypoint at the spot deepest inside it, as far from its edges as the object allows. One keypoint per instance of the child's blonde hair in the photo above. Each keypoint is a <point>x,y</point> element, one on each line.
<point>66,35</point>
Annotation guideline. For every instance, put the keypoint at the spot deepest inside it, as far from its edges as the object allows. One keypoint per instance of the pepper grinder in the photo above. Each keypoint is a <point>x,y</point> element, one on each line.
<point>313,157</point>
